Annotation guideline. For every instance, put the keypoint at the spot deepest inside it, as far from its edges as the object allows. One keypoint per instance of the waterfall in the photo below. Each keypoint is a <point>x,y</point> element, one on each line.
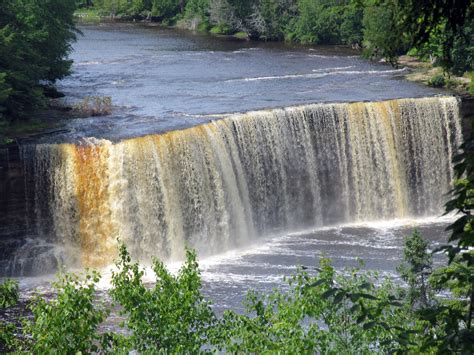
<point>219,185</point>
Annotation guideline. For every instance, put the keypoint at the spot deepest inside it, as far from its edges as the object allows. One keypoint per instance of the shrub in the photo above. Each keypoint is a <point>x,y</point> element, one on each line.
<point>221,30</point>
<point>67,323</point>
<point>172,316</point>
<point>437,81</point>
<point>9,294</point>
<point>324,313</point>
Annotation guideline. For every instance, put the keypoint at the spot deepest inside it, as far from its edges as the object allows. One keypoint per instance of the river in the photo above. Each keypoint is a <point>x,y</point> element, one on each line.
<point>163,79</point>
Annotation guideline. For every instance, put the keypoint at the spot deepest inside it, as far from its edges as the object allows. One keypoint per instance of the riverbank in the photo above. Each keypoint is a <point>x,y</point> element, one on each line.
<point>93,17</point>
<point>427,74</point>
<point>51,119</point>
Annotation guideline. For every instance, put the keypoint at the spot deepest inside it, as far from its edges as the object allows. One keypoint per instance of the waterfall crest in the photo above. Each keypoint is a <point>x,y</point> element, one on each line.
<point>218,185</point>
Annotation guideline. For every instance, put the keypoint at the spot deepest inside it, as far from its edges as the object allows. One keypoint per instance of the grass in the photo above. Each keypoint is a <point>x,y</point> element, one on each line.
<point>87,16</point>
<point>426,73</point>
<point>10,131</point>
<point>241,35</point>
<point>220,30</point>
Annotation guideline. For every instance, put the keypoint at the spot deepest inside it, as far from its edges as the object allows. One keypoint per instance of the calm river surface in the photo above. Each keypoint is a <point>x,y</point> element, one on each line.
<point>160,79</point>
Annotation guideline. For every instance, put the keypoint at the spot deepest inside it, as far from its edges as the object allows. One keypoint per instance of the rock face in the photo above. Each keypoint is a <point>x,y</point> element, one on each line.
<point>214,185</point>
<point>13,228</point>
<point>467,113</point>
<point>24,248</point>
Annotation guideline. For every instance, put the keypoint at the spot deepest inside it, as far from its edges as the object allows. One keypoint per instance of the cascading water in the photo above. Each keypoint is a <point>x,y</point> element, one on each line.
<point>218,185</point>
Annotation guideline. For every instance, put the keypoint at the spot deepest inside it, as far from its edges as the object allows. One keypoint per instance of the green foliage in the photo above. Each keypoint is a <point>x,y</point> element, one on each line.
<point>9,293</point>
<point>437,81</point>
<point>67,323</point>
<point>471,85</point>
<point>383,31</point>
<point>458,277</point>
<point>35,39</point>
<point>8,340</point>
<point>220,30</point>
<point>442,25</point>
<point>172,315</point>
<point>165,8</point>
<point>197,8</point>
<point>241,35</point>
<point>351,26</point>
<point>321,311</point>
<point>324,313</point>
<point>439,30</point>
<point>416,269</point>
<point>88,15</point>
<point>315,24</point>
<point>83,3</point>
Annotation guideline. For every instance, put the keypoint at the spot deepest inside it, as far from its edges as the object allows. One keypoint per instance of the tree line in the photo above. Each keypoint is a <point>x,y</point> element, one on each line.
<point>441,30</point>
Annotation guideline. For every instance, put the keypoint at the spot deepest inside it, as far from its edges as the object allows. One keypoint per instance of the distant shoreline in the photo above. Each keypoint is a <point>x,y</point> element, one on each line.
<point>419,71</point>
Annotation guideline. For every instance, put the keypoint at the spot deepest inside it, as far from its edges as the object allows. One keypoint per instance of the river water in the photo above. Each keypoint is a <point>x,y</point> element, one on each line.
<point>162,80</point>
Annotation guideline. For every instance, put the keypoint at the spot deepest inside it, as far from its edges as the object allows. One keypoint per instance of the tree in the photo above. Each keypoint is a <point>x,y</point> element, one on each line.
<point>456,313</point>
<point>172,316</point>
<point>69,322</point>
<point>416,269</point>
<point>425,19</point>
<point>35,39</point>
<point>351,28</point>
<point>165,8</point>
<point>383,31</point>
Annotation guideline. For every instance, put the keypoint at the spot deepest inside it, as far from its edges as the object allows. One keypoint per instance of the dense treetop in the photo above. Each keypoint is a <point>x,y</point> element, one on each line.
<point>35,39</point>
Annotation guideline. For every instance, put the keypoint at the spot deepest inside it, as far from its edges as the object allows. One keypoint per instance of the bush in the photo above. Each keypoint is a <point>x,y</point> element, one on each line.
<point>9,294</point>
<point>221,30</point>
<point>68,323</point>
<point>172,316</point>
<point>322,313</point>
<point>437,81</point>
